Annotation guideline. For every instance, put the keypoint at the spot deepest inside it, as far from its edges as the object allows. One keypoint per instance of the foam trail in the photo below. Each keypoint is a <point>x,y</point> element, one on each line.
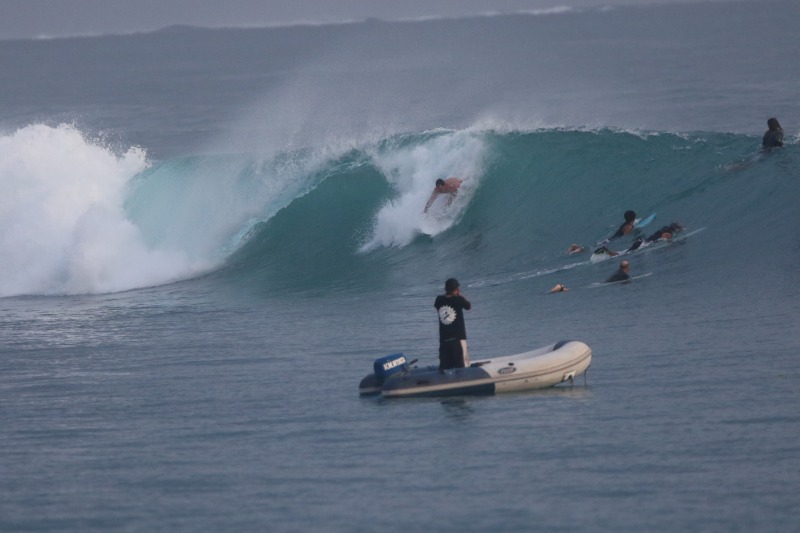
<point>63,229</point>
<point>412,171</point>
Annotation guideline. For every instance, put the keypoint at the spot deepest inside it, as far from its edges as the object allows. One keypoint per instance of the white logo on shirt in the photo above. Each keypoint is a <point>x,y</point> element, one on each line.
<point>447,315</point>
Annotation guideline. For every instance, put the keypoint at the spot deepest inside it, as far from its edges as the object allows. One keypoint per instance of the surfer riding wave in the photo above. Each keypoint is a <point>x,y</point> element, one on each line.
<point>444,186</point>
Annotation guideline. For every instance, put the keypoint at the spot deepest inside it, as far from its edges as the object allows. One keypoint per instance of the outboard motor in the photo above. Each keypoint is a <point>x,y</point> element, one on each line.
<point>383,368</point>
<point>389,365</point>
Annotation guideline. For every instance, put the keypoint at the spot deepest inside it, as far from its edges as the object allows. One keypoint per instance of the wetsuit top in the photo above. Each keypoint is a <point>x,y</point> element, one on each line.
<point>621,231</point>
<point>636,244</point>
<point>451,317</point>
<point>619,275</point>
<point>657,235</point>
<point>773,138</point>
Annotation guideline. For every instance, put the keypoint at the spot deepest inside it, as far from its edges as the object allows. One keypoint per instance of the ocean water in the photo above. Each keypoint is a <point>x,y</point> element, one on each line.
<point>207,237</point>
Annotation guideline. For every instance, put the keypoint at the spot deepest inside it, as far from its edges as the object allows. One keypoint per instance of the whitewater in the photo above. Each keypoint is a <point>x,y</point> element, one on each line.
<point>208,236</point>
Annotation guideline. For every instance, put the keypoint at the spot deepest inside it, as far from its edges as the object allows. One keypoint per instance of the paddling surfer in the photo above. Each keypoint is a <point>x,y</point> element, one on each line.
<point>627,226</point>
<point>575,249</point>
<point>665,233</point>
<point>624,229</point>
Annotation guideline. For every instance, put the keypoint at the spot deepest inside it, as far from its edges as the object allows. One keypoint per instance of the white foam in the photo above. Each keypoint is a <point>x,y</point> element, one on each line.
<point>412,171</point>
<point>63,229</point>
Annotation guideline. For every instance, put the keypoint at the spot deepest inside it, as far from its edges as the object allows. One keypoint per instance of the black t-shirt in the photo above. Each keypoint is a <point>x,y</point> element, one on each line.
<point>451,317</point>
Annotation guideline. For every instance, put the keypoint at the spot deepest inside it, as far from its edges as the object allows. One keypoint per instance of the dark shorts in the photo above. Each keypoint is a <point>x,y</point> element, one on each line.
<point>451,354</point>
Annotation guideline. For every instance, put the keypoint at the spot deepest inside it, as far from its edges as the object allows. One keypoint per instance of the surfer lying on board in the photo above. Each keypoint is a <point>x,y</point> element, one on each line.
<point>559,287</point>
<point>575,249</point>
<point>624,229</point>
<point>665,233</point>
<point>448,186</point>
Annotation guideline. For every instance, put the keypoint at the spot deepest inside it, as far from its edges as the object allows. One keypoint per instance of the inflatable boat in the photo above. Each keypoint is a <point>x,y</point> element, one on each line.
<point>394,377</point>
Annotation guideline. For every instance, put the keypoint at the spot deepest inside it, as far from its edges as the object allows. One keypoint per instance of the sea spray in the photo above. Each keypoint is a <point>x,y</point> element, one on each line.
<point>412,171</point>
<point>63,229</point>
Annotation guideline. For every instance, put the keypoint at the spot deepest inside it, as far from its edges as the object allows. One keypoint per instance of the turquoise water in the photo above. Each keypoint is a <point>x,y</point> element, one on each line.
<point>191,293</point>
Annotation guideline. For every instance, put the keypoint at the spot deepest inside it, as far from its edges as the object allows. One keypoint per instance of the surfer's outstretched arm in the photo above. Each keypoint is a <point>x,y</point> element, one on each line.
<point>434,194</point>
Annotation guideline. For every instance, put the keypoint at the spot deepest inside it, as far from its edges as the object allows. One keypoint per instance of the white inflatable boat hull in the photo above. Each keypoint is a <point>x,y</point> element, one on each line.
<point>537,369</point>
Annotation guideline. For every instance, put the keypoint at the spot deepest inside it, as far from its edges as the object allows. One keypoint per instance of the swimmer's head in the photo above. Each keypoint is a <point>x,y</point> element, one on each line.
<point>630,216</point>
<point>773,123</point>
<point>440,182</point>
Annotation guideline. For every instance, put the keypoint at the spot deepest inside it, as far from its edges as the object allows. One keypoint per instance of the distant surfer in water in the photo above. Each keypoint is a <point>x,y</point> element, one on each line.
<point>448,186</point>
<point>627,226</point>
<point>559,287</point>
<point>575,249</point>
<point>773,138</point>
<point>606,250</point>
<point>665,233</point>
<point>624,229</point>
<point>450,307</point>
<point>621,274</point>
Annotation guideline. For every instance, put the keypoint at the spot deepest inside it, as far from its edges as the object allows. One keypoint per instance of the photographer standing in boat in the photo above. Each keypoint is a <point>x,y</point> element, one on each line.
<point>452,331</point>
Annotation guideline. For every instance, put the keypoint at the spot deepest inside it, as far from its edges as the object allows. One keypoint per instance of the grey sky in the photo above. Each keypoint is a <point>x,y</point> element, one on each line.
<point>56,18</point>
